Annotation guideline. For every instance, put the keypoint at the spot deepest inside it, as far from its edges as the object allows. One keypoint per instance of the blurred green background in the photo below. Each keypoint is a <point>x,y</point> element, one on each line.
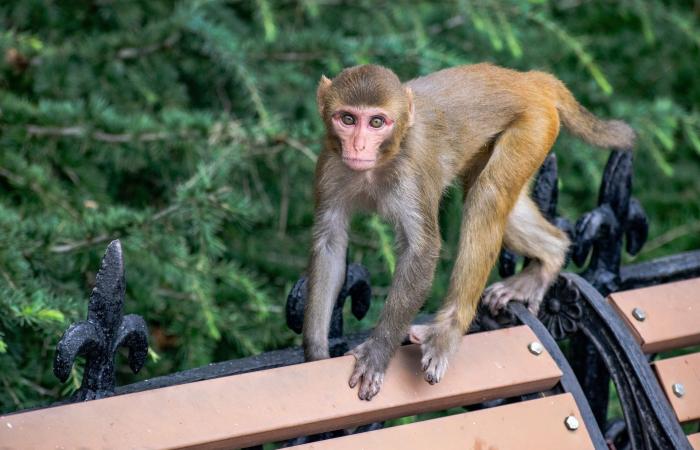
<point>189,131</point>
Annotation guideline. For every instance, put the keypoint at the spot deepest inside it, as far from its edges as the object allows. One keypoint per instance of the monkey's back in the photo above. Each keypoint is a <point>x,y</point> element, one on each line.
<point>480,99</point>
<point>482,90</point>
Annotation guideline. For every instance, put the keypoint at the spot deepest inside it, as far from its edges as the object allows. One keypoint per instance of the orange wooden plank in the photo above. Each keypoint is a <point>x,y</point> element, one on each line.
<point>672,314</point>
<point>686,371</point>
<point>537,424</point>
<point>694,441</point>
<point>249,409</point>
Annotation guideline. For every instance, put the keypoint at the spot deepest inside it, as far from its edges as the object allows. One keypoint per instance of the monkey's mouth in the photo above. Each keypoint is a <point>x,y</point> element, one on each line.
<point>358,163</point>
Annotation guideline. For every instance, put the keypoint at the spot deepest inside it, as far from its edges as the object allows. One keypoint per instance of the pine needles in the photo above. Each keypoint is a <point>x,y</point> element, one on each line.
<point>189,131</point>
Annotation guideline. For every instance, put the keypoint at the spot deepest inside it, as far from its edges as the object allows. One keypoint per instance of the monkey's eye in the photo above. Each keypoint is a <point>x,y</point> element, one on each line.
<point>376,122</point>
<point>347,119</point>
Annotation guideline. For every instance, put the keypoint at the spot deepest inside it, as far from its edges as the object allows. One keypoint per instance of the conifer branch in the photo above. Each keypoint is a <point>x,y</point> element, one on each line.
<point>305,150</point>
<point>138,52</point>
<point>78,131</point>
<point>72,246</point>
<point>77,245</point>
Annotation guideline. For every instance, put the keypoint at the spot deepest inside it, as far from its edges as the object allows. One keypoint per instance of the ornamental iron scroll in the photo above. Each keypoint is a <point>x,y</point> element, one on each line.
<point>600,232</point>
<point>561,311</point>
<point>105,330</point>
<point>649,420</point>
<point>356,286</point>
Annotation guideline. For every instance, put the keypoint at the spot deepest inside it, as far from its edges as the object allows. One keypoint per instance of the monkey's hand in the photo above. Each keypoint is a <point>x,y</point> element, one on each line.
<point>371,361</point>
<point>437,344</point>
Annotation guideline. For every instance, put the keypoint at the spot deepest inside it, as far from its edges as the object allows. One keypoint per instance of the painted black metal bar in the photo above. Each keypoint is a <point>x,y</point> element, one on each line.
<point>618,218</point>
<point>105,330</point>
<point>568,381</point>
<point>263,361</point>
<point>560,316</point>
<point>662,270</point>
<point>650,421</point>
<point>564,312</point>
<point>617,436</point>
<point>600,233</point>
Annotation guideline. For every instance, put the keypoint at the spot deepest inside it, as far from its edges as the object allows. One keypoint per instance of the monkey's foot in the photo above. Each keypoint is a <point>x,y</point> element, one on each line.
<point>524,287</point>
<point>437,344</point>
<point>371,360</point>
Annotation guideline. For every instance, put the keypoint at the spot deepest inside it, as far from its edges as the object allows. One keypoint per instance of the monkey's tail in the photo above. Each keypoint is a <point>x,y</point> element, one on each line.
<point>582,123</point>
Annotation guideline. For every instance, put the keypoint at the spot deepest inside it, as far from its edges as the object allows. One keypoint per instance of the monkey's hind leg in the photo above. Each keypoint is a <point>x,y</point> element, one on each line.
<point>516,155</point>
<point>529,234</point>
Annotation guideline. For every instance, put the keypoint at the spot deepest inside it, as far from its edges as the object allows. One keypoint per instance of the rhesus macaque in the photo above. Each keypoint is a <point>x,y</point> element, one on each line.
<point>394,148</point>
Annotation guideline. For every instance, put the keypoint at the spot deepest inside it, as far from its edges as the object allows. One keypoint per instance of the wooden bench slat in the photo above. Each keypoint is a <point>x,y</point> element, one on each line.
<point>685,370</point>
<point>532,424</point>
<point>672,314</point>
<point>694,441</point>
<point>286,402</point>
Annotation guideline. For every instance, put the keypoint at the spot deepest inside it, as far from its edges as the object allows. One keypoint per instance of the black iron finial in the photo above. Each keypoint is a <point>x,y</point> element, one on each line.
<point>356,286</point>
<point>600,232</point>
<point>104,331</point>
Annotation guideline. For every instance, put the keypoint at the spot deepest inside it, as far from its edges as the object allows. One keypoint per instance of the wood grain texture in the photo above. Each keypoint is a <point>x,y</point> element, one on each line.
<point>286,402</point>
<point>686,371</point>
<point>695,440</point>
<point>537,424</point>
<point>672,314</point>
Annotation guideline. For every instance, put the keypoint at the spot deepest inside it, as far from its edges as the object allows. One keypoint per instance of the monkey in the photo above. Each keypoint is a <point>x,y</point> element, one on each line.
<point>393,148</point>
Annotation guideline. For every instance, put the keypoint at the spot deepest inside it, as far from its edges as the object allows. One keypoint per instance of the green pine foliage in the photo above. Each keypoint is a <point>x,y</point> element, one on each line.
<point>188,130</point>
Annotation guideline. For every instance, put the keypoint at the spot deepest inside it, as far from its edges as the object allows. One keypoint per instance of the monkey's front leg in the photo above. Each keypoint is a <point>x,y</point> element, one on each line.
<point>326,274</point>
<point>412,280</point>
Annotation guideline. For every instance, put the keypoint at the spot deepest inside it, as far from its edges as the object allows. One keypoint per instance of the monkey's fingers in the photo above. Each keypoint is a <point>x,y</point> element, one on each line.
<point>496,297</point>
<point>534,306</point>
<point>438,345</point>
<point>370,380</point>
<point>357,373</point>
<point>434,366</point>
<point>371,383</point>
<point>360,365</point>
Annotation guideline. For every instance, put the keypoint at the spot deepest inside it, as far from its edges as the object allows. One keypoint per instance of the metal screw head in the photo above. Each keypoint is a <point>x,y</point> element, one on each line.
<point>535,348</point>
<point>678,389</point>
<point>571,423</point>
<point>639,314</point>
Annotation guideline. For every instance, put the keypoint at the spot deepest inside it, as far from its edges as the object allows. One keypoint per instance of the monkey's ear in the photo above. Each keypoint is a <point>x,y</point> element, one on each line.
<point>323,85</point>
<point>411,107</point>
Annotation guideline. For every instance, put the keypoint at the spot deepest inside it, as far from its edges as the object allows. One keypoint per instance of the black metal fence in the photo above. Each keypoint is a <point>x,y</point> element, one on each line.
<point>571,311</point>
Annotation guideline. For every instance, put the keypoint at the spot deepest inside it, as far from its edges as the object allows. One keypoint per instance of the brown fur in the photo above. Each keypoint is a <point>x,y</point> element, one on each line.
<point>491,128</point>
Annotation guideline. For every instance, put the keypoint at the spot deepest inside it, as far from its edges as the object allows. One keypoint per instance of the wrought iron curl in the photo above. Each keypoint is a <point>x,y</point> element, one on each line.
<point>600,232</point>
<point>106,329</point>
<point>561,311</point>
<point>356,286</point>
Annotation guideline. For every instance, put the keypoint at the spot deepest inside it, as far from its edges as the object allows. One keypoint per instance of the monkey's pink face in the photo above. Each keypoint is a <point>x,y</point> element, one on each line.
<point>362,132</point>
